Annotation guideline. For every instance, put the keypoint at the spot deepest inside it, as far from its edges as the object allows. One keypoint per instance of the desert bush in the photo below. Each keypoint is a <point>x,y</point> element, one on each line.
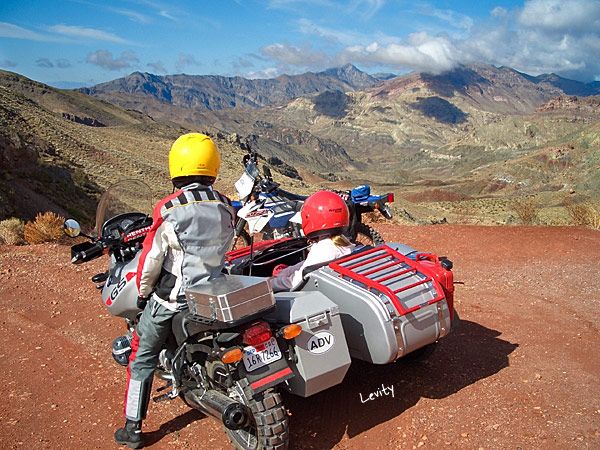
<point>47,227</point>
<point>12,231</point>
<point>526,209</point>
<point>584,214</point>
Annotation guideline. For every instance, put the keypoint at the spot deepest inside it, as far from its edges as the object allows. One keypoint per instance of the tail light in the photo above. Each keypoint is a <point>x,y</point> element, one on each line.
<point>257,334</point>
<point>390,197</point>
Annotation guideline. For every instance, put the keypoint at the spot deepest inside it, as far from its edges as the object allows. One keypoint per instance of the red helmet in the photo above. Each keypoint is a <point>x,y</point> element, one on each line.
<point>324,212</point>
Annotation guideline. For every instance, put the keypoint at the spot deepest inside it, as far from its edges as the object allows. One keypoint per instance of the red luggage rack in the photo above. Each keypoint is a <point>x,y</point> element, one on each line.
<point>382,269</point>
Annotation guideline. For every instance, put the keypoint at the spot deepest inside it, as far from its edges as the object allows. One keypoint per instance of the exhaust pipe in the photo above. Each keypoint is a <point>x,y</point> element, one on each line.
<point>233,414</point>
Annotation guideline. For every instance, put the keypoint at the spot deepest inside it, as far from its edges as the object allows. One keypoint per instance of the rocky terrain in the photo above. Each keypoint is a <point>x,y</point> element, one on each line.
<point>521,371</point>
<point>54,156</point>
<point>150,93</point>
<point>456,146</point>
<point>477,132</point>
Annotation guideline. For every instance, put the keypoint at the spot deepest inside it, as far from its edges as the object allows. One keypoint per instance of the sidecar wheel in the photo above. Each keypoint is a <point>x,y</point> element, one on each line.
<point>269,427</point>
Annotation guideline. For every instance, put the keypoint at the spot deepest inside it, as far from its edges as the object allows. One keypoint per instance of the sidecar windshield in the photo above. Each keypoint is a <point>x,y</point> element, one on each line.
<point>125,196</point>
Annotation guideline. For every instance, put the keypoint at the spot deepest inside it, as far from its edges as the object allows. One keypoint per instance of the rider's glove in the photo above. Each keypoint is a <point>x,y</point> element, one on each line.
<point>142,301</point>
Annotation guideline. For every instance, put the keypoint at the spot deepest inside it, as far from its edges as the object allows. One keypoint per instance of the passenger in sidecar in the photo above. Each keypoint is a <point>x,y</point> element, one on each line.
<point>374,303</point>
<point>324,217</point>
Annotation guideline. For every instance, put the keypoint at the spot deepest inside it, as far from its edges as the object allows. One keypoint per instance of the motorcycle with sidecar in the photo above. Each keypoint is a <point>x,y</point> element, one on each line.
<point>239,343</point>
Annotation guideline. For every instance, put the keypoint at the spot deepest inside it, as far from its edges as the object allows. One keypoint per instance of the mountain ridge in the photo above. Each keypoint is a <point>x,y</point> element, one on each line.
<point>214,92</point>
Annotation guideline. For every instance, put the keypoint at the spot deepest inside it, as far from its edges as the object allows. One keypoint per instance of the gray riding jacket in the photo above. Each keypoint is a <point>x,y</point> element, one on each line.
<point>192,230</point>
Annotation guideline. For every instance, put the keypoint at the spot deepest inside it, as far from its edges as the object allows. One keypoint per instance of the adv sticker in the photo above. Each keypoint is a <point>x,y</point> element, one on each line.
<point>320,342</point>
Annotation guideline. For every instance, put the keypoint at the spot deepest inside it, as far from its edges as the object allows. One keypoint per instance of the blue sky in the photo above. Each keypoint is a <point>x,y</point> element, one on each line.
<point>91,41</point>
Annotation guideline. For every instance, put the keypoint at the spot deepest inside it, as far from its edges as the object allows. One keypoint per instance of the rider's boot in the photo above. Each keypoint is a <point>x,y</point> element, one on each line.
<point>130,434</point>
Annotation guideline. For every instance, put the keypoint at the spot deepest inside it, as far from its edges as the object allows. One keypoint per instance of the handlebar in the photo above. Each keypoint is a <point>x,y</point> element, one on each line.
<point>86,252</point>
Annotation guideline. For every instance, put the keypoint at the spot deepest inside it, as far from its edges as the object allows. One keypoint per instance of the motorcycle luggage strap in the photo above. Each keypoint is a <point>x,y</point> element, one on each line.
<point>381,268</point>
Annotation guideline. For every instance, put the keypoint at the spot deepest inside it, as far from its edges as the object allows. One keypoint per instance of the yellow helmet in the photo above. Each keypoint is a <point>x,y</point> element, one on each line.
<point>194,154</point>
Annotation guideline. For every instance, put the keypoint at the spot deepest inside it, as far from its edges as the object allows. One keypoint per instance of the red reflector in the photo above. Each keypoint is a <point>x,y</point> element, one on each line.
<point>390,197</point>
<point>257,334</point>
<point>271,378</point>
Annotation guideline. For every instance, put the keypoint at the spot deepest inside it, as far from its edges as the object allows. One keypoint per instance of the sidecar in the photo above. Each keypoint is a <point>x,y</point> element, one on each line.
<point>377,305</point>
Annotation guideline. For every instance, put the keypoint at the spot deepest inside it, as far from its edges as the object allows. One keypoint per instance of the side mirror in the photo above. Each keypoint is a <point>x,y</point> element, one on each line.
<point>72,228</point>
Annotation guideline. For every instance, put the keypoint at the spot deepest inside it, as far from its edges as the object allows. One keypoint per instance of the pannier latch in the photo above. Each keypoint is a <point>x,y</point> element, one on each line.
<point>213,309</point>
<point>318,320</point>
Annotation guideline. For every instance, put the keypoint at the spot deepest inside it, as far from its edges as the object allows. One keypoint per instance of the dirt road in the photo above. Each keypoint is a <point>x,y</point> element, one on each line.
<point>522,371</point>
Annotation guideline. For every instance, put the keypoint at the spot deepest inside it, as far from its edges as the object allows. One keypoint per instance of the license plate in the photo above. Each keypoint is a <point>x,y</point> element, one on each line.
<point>254,359</point>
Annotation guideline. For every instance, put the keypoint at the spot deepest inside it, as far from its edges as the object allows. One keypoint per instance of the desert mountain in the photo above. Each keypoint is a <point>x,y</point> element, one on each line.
<point>465,129</point>
<point>60,149</point>
<point>146,92</point>
<point>569,87</point>
<point>476,134</point>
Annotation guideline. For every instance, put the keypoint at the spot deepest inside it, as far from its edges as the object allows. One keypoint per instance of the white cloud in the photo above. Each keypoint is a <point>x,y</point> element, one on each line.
<point>344,37</point>
<point>105,59</point>
<point>571,16</point>
<point>167,15</point>
<point>499,11</point>
<point>157,67</point>
<point>453,18</point>
<point>87,33</point>
<point>242,64</point>
<point>301,4</point>
<point>545,36</point>
<point>560,36</point>
<point>295,56</point>
<point>270,72</point>
<point>45,63</point>
<point>63,63</point>
<point>133,15</point>
<point>366,8</point>
<point>184,60</point>
<point>9,30</point>
<point>422,52</point>
<point>8,63</point>
<point>168,10</point>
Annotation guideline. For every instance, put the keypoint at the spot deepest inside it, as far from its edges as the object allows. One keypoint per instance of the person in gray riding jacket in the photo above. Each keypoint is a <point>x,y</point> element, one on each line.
<point>192,230</point>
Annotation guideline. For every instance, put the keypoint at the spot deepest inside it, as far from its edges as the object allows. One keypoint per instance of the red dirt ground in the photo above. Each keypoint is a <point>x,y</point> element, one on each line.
<point>522,371</point>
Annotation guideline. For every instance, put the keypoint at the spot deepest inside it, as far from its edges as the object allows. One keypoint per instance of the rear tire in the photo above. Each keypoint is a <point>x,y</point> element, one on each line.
<point>367,235</point>
<point>269,427</point>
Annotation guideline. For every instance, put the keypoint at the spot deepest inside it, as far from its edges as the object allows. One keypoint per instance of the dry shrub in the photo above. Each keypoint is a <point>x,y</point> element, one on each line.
<point>12,231</point>
<point>47,227</point>
<point>584,214</point>
<point>526,209</point>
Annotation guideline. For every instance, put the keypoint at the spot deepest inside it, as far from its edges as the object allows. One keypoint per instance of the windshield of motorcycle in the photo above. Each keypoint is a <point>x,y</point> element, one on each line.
<point>125,196</point>
<point>245,184</point>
